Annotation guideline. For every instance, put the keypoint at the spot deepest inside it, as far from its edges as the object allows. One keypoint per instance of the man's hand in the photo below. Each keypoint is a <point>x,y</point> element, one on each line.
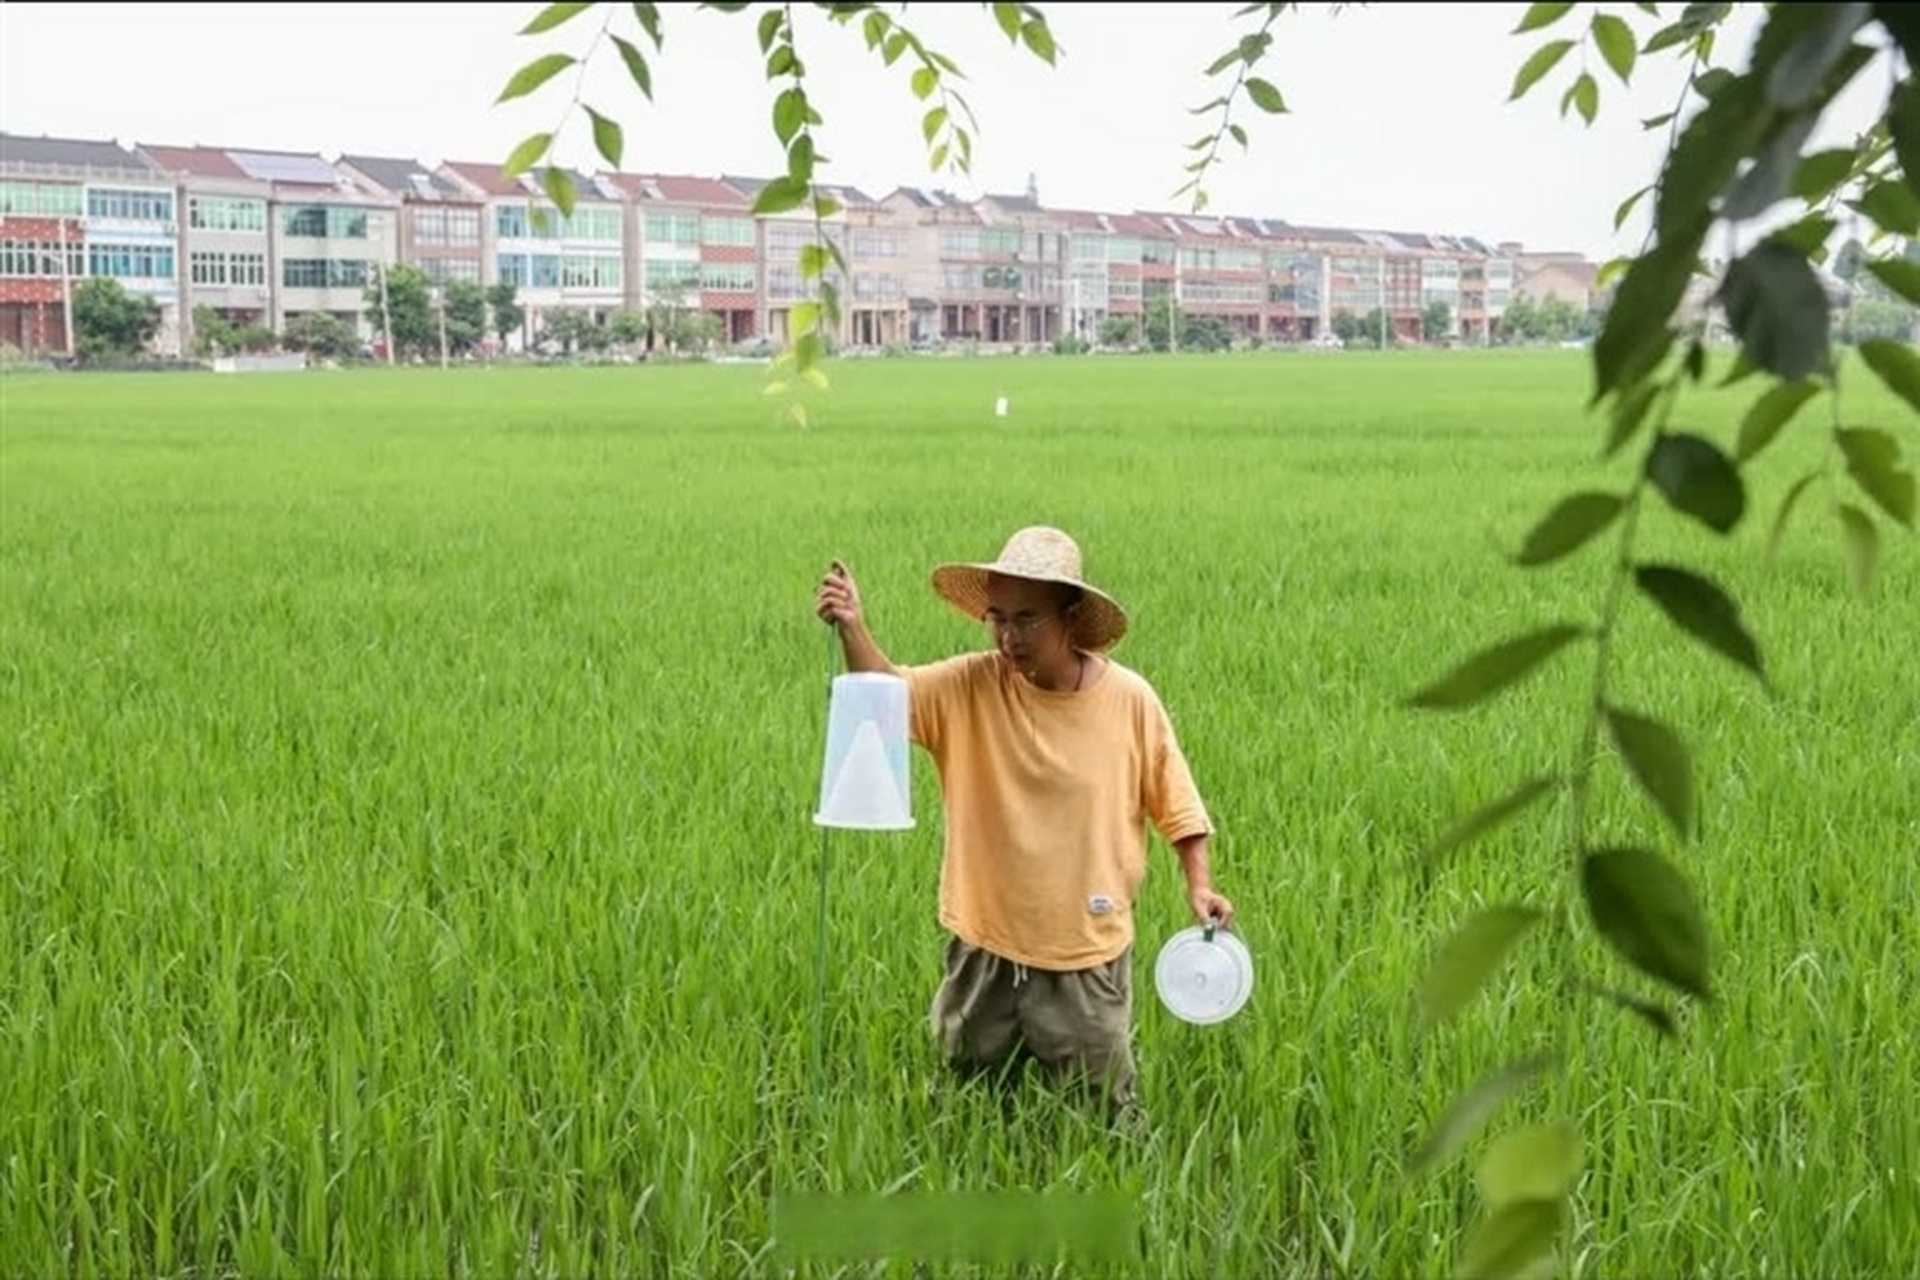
<point>1210,907</point>
<point>838,600</point>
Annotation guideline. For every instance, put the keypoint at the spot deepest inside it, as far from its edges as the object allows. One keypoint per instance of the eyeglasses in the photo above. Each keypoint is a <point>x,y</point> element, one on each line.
<point>1024,623</point>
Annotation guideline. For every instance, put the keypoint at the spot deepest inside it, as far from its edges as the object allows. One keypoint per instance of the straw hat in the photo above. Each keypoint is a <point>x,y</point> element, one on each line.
<point>1039,554</point>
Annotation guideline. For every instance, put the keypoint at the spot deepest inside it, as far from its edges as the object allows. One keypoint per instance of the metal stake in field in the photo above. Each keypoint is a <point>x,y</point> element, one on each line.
<point>864,786</point>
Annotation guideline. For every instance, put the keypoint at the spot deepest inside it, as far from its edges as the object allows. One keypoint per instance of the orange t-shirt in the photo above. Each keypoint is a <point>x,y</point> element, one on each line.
<point>1047,797</point>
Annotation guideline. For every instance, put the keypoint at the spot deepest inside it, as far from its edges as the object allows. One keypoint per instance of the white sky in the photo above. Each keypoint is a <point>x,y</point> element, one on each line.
<point>1398,117</point>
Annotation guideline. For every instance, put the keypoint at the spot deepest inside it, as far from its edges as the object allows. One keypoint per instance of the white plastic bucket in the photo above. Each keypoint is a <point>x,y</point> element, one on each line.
<point>864,784</point>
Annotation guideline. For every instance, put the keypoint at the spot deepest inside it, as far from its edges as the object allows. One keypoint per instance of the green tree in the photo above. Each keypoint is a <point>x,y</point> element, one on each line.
<point>503,302</point>
<point>408,293</point>
<point>1520,320</point>
<point>322,334</point>
<point>676,326</point>
<point>213,333</point>
<point>1120,331</point>
<point>627,328</point>
<point>1163,321</point>
<point>1733,153</point>
<point>1436,320</point>
<point>466,310</point>
<point>572,330</point>
<point>1205,333</point>
<point>109,321</point>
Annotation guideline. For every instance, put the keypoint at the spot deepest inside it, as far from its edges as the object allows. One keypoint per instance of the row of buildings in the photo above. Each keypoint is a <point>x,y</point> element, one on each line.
<point>260,237</point>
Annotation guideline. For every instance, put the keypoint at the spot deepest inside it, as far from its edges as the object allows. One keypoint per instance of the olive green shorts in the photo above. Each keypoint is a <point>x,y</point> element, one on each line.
<point>990,1012</point>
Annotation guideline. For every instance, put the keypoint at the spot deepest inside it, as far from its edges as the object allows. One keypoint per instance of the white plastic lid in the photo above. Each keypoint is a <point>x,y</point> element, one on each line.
<point>1204,978</point>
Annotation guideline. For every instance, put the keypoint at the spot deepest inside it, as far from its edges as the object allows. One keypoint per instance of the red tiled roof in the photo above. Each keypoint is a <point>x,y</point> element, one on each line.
<point>709,191</point>
<point>485,176</point>
<point>200,162</point>
<point>1080,219</point>
<point>674,188</point>
<point>1136,224</point>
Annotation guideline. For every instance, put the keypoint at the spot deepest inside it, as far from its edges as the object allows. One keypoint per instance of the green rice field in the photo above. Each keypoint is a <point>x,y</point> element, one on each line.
<point>406,781</point>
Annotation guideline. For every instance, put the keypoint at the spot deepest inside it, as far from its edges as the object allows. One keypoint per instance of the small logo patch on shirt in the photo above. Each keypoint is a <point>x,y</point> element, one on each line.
<point>1099,904</point>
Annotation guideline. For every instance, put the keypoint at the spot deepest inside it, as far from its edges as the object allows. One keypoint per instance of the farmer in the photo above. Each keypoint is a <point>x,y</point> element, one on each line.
<point>1053,758</point>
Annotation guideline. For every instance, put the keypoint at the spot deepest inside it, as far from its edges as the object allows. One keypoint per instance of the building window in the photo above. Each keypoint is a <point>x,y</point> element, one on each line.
<point>668,273</point>
<point>130,205</point>
<point>546,271</point>
<point>672,228</point>
<point>873,242</point>
<point>324,273</point>
<point>728,231</point>
<point>513,269</point>
<point>429,226</point>
<point>304,273</point>
<point>40,258</point>
<point>959,242</point>
<point>131,261</point>
<point>463,228</point>
<point>215,213</point>
<point>441,226</point>
<point>510,221</point>
<point>324,222</point>
<point>590,271</point>
<point>784,282</point>
<point>441,270</point>
<point>784,238</point>
<point>42,199</point>
<point>878,287</point>
<point>307,220</point>
<point>728,277</point>
<point>1000,241</point>
<point>596,223</point>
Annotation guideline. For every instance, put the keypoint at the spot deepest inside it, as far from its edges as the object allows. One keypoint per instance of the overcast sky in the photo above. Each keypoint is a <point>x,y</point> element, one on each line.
<point>1398,114</point>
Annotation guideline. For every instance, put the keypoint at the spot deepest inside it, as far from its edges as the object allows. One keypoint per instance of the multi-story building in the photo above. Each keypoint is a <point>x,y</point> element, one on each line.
<point>575,262</point>
<point>260,237</point>
<point>692,242</point>
<point>71,209</point>
<point>1140,262</point>
<point>439,220</point>
<point>1028,244</point>
<point>996,267</point>
<point>330,236</point>
<point>1566,276</point>
<point>875,246</point>
<point>941,305</point>
<point>224,237</point>
<point>327,236</point>
<point>1220,271</point>
<point>1086,284</point>
<point>879,246</point>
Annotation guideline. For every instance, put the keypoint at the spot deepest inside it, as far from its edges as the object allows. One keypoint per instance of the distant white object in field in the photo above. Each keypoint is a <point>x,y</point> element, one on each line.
<point>1000,407</point>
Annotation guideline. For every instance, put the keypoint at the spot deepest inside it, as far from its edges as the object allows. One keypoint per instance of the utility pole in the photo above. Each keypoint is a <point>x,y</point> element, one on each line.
<point>1381,263</point>
<point>386,308</point>
<point>66,290</point>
